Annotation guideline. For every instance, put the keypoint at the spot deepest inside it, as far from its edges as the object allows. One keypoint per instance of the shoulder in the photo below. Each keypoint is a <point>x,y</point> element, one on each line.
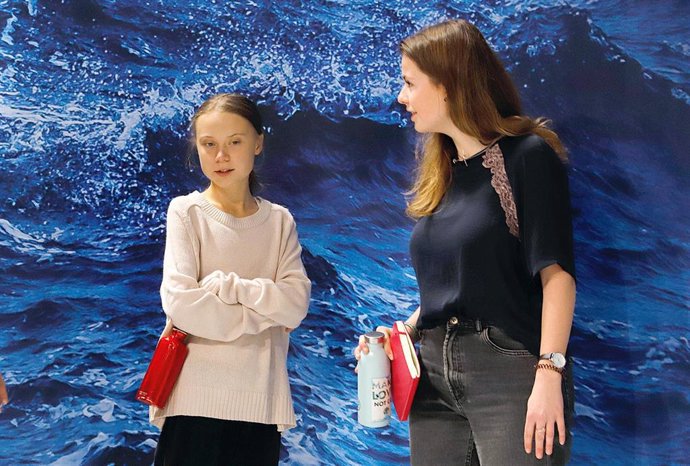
<point>182,205</point>
<point>279,212</point>
<point>525,146</point>
<point>529,153</point>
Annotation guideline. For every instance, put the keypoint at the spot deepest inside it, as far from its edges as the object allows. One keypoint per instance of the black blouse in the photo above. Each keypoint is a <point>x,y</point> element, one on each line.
<point>505,217</point>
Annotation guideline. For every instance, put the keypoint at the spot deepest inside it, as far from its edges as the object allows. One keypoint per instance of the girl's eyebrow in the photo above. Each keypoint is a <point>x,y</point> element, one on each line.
<point>210,136</point>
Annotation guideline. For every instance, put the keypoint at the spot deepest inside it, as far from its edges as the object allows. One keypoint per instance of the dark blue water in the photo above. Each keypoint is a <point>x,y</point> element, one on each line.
<point>95,97</point>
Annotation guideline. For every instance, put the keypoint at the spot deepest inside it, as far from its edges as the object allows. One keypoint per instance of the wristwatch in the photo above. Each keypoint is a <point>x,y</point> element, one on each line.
<point>557,359</point>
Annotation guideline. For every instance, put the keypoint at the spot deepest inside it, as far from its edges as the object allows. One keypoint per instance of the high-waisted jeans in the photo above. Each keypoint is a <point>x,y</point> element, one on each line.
<point>471,402</point>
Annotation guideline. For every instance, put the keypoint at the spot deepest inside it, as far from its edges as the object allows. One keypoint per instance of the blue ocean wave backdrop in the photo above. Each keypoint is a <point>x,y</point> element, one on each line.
<point>95,97</point>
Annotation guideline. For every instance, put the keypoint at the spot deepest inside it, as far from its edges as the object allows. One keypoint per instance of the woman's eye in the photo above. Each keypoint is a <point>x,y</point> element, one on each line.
<point>209,144</point>
<point>236,142</point>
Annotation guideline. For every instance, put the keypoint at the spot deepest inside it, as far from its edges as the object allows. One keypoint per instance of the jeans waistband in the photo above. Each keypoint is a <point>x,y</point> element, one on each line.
<point>467,324</point>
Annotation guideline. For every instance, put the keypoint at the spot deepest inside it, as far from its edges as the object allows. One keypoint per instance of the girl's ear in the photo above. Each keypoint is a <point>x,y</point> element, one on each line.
<point>259,145</point>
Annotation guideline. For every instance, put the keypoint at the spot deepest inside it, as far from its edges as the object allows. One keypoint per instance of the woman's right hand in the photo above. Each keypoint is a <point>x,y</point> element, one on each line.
<point>363,348</point>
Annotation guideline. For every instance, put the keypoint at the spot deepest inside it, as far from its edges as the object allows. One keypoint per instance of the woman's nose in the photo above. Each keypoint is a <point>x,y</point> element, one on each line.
<point>402,97</point>
<point>223,154</point>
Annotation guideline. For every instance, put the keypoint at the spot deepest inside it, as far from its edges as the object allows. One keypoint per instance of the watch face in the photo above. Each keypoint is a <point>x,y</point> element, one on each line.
<point>558,360</point>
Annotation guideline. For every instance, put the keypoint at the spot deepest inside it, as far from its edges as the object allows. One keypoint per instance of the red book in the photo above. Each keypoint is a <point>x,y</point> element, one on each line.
<point>404,370</point>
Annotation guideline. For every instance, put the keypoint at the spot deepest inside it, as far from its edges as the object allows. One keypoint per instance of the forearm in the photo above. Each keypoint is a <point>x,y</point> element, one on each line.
<point>545,416</point>
<point>286,298</point>
<point>411,326</point>
<point>208,308</point>
<point>203,314</point>
<point>557,309</point>
<point>285,301</point>
<point>412,320</point>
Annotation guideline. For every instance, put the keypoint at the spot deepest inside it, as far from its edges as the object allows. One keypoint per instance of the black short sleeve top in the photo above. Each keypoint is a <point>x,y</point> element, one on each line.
<point>505,216</point>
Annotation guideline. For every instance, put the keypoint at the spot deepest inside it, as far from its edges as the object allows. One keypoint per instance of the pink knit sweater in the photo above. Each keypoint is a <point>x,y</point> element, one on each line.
<point>236,285</point>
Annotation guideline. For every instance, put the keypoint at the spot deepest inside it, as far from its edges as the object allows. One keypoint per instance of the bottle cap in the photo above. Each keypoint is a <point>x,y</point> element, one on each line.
<point>374,338</point>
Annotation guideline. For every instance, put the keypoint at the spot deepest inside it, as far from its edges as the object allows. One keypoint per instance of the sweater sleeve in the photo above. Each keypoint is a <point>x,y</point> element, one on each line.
<point>285,300</point>
<point>191,307</point>
<point>544,212</point>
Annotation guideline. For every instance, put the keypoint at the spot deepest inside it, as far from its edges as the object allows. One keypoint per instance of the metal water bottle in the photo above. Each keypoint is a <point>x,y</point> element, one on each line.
<point>374,383</point>
<point>164,369</point>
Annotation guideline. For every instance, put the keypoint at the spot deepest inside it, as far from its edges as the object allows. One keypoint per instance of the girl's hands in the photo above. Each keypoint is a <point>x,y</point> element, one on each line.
<point>363,348</point>
<point>544,414</point>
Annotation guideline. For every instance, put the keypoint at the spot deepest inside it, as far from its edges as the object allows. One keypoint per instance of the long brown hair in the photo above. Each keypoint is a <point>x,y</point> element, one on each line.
<point>482,102</point>
<point>230,103</point>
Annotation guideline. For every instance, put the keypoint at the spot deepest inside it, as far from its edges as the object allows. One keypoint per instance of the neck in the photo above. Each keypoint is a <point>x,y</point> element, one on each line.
<point>465,144</point>
<point>236,202</point>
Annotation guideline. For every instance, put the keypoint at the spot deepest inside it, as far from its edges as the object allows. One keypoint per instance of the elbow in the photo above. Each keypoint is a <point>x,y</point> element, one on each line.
<point>300,307</point>
<point>298,315</point>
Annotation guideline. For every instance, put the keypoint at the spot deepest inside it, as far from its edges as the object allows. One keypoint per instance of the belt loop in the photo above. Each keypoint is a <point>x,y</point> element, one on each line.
<point>478,325</point>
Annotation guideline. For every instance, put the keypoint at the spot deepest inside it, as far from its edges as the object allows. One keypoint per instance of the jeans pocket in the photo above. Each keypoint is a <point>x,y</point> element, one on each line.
<point>499,341</point>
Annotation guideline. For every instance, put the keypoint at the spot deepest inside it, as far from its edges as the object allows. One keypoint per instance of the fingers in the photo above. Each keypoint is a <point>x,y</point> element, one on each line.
<point>362,347</point>
<point>561,430</point>
<point>539,436</point>
<point>387,340</point>
<point>528,436</point>
<point>535,436</point>
<point>548,448</point>
<point>544,417</point>
<point>542,436</point>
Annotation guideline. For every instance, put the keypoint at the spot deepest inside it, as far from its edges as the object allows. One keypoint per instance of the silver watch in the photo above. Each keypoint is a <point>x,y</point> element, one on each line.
<point>557,359</point>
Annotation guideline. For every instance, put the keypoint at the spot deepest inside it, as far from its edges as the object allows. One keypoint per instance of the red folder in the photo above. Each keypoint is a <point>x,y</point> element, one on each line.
<point>404,370</point>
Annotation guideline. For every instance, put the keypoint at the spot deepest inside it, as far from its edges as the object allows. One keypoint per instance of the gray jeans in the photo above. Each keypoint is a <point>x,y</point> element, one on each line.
<point>471,402</point>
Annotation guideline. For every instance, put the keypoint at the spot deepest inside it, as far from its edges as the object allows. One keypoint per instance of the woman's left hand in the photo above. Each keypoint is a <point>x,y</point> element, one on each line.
<point>544,414</point>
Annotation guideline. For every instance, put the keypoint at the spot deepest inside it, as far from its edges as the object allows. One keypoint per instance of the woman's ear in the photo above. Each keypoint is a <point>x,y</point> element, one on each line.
<point>444,92</point>
<point>259,145</point>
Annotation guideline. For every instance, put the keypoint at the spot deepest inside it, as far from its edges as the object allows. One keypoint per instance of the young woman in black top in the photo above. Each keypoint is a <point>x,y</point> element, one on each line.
<point>492,251</point>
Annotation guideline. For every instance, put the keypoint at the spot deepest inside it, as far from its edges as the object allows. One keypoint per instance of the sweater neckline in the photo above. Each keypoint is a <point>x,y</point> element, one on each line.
<point>250,221</point>
<point>464,164</point>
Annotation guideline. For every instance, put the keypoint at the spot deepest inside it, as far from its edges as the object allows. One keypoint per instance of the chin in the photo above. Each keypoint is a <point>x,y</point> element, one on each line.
<point>421,129</point>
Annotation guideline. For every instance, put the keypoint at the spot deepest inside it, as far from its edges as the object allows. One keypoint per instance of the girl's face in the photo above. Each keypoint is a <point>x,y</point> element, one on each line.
<point>424,100</point>
<point>227,144</point>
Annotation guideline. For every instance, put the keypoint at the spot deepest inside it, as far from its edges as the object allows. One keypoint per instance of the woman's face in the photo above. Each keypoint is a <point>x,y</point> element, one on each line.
<point>423,99</point>
<point>227,144</point>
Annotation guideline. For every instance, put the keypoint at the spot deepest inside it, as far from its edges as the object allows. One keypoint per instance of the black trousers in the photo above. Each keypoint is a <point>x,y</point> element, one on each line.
<point>192,440</point>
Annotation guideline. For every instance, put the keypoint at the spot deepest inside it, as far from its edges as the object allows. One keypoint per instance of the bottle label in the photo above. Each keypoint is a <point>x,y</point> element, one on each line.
<point>381,398</point>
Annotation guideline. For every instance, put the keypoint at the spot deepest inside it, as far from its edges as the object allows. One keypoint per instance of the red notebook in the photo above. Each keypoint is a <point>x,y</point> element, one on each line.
<point>404,370</point>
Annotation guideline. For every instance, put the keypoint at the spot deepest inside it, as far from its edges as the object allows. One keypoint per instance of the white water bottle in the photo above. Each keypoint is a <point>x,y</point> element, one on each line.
<point>374,383</point>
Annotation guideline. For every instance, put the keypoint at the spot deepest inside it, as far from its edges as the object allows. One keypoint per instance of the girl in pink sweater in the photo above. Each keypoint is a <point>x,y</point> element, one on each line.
<point>233,279</point>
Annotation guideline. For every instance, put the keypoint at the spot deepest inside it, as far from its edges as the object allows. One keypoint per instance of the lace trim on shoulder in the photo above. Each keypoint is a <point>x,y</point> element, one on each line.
<point>493,160</point>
